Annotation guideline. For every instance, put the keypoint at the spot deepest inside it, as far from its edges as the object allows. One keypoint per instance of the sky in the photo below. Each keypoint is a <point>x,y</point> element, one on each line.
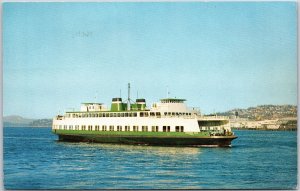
<point>216,55</point>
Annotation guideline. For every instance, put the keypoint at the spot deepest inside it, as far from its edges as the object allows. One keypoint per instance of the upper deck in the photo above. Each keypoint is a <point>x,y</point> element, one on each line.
<point>138,114</point>
<point>166,108</point>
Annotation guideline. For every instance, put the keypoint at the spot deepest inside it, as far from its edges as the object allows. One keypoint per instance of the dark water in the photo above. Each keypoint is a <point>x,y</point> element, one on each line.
<point>33,159</point>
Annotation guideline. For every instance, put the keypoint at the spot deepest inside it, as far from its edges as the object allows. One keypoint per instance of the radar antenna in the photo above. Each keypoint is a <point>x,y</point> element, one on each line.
<point>128,101</point>
<point>168,93</point>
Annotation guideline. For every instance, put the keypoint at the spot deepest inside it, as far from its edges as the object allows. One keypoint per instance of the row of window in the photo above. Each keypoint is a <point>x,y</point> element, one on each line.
<point>177,114</point>
<point>119,128</point>
<point>215,128</point>
<point>83,115</point>
<point>95,107</point>
<point>126,114</point>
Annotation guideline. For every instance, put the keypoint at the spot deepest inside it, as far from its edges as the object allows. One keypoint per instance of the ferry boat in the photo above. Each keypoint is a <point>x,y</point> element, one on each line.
<point>169,123</point>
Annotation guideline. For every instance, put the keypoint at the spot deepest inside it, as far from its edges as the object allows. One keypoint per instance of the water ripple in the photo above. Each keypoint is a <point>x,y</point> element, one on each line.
<point>34,159</point>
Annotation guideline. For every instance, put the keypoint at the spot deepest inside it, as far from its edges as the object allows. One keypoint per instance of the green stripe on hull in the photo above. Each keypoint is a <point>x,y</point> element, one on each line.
<point>148,138</point>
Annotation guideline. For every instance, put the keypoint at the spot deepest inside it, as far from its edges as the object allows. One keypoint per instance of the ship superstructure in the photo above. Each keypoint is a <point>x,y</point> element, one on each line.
<point>168,122</point>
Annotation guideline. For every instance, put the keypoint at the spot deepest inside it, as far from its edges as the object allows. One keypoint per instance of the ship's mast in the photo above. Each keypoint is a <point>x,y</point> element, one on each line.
<point>168,93</point>
<point>128,101</point>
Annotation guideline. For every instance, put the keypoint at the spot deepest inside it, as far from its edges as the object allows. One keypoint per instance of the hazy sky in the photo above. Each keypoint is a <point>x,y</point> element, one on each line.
<point>218,56</point>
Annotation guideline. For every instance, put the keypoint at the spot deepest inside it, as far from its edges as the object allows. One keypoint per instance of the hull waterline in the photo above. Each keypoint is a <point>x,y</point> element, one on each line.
<point>220,141</point>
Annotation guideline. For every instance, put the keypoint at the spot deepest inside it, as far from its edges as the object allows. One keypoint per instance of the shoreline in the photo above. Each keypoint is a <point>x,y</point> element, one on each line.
<point>263,129</point>
<point>27,126</point>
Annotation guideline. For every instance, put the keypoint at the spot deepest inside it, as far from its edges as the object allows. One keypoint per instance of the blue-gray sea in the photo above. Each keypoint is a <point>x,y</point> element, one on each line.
<point>34,159</point>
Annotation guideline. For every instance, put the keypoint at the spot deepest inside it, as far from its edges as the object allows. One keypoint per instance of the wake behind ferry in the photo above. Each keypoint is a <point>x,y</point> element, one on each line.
<point>168,123</point>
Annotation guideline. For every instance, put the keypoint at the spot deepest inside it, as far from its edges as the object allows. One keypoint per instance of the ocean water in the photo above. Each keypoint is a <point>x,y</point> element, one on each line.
<point>34,159</point>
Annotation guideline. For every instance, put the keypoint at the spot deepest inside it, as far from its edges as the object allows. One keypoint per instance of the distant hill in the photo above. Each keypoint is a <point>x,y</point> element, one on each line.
<point>18,121</point>
<point>263,112</point>
<point>15,120</point>
<point>41,123</point>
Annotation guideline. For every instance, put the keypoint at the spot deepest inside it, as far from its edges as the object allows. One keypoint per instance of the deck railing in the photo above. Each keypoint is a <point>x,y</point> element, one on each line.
<point>213,117</point>
<point>192,116</point>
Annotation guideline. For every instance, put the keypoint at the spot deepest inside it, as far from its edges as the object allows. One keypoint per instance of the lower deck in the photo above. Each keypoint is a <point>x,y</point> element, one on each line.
<point>146,138</point>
